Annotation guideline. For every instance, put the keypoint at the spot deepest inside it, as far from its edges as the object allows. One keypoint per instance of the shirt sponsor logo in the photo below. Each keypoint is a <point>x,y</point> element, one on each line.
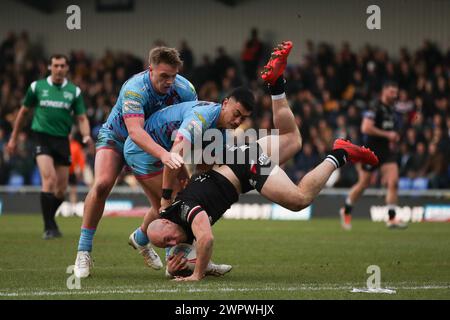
<point>201,118</point>
<point>68,95</point>
<point>263,159</point>
<point>184,211</point>
<point>132,94</point>
<point>131,106</point>
<point>388,124</point>
<point>55,104</point>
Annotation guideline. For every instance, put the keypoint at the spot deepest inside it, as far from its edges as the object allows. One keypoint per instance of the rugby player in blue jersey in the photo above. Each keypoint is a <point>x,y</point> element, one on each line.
<point>174,128</point>
<point>142,95</point>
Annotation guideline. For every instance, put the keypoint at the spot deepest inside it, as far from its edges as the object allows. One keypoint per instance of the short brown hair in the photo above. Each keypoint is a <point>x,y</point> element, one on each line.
<point>58,56</point>
<point>170,56</point>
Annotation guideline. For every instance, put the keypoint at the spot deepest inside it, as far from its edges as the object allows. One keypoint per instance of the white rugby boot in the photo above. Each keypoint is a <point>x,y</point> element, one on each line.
<point>212,269</point>
<point>151,258</point>
<point>396,224</point>
<point>83,264</point>
<point>217,270</point>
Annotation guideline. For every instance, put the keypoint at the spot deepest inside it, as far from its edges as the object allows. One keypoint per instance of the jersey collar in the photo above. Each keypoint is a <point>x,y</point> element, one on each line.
<point>49,81</point>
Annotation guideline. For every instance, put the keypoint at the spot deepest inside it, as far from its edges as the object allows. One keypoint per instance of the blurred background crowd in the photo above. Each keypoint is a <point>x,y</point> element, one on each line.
<point>328,90</point>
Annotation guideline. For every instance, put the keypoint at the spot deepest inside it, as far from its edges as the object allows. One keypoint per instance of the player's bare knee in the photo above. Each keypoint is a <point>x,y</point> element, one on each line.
<point>102,188</point>
<point>295,140</point>
<point>298,141</point>
<point>49,182</point>
<point>60,193</point>
<point>363,184</point>
<point>293,146</point>
<point>299,202</point>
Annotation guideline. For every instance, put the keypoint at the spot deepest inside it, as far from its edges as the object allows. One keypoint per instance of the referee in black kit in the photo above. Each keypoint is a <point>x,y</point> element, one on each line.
<point>381,136</point>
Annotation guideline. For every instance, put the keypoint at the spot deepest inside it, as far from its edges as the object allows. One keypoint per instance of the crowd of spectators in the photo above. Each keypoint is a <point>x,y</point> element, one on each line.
<point>329,89</point>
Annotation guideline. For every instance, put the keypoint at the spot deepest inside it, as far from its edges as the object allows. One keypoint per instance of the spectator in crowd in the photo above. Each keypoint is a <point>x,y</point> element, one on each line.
<point>304,161</point>
<point>334,84</point>
<point>436,168</point>
<point>251,55</point>
<point>417,161</point>
<point>187,57</point>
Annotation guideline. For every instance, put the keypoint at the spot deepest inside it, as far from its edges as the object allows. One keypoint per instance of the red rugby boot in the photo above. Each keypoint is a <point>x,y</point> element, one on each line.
<point>277,62</point>
<point>356,153</point>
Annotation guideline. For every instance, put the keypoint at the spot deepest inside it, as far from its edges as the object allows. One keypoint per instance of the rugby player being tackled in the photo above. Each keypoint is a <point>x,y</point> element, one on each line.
<point>207,196</point>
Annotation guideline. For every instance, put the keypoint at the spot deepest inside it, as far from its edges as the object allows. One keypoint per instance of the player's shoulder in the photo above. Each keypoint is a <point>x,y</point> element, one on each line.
<point>40,83</point>
<point>374,105</point>
<point>206,112</point>
<point>71,86</point>
<point>135,87</point>
<point>184,88</point>
<point>207,106</point>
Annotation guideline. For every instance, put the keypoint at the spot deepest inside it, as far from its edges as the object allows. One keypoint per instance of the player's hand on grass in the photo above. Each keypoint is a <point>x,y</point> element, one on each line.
<point>176,263</point>
<point>190,278</point>
<point>172,160</point>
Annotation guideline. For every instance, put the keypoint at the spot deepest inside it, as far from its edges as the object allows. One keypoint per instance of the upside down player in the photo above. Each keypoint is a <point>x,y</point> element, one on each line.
<point>206,198</point>
<point>378,126</point>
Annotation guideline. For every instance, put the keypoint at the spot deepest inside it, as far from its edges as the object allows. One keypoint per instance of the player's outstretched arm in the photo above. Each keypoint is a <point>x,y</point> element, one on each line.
<point>170,175</point>
<point>135,127</point>
<point>201,228</point>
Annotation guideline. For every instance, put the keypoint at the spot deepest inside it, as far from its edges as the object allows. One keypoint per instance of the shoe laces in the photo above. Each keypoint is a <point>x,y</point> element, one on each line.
<point>149,252</point>
<point>84,260</point>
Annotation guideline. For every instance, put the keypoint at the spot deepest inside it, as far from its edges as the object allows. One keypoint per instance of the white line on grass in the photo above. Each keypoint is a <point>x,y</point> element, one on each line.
<point>126,290</point>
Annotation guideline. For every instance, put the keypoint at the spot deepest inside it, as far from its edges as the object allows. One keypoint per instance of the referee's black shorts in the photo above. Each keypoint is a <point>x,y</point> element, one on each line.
<point>56,147</point>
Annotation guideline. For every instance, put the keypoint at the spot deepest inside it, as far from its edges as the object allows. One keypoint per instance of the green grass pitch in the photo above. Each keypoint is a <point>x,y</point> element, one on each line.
<point>271,260</point>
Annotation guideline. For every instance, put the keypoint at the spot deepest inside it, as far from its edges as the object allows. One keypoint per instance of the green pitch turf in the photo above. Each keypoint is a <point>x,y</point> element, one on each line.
<point>271,260</point>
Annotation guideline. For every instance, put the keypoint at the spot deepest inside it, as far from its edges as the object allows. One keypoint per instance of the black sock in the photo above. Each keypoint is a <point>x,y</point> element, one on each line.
<point>55,205</point>
<point>391,213</point>
<point>278,87</point>
<point>338,157</point>
<point>47,207</point>
<point>348,209</point>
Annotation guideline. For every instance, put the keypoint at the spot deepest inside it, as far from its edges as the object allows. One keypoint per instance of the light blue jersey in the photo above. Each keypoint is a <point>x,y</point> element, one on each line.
<point>188,119</point>
<point>138,98</point>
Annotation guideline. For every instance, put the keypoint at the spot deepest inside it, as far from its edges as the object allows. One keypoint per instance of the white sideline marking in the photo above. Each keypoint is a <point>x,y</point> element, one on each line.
<point>126,290</point>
